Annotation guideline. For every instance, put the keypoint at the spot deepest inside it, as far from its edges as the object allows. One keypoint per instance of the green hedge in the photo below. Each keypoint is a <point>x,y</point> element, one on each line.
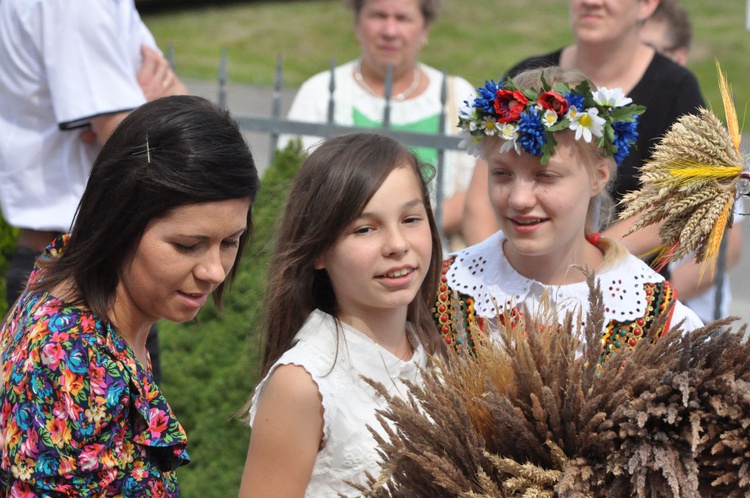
<point>8,236</point>
<point>210,368</point>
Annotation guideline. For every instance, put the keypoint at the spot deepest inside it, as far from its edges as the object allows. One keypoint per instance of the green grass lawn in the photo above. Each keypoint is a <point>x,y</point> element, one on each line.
<point>477,39</point>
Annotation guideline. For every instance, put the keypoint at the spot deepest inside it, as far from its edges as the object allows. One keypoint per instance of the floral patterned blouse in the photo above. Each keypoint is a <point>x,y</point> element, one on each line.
<point>81,416</point>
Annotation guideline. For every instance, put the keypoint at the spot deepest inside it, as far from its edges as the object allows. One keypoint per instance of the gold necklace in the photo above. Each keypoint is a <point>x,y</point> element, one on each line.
<point>409,349</point>
<point>400,97</point>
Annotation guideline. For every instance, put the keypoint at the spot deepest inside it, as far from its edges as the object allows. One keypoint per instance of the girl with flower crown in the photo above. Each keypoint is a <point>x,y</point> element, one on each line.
<point>552,143</point>
<point>608,49</point>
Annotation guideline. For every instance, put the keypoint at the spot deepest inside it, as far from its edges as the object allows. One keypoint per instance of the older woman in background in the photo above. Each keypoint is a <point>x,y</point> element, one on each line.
<point>394,32</point>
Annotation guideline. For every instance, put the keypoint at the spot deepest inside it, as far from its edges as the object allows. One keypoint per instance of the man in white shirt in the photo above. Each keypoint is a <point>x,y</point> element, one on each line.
<point>70,73</point>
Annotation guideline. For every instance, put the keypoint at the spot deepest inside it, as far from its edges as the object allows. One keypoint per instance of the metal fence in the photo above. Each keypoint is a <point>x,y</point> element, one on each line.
<point>276,125</point>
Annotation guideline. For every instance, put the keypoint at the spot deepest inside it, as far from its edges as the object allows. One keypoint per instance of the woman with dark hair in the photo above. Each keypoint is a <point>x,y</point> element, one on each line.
<point>355,266</point>
<point>161,225</point>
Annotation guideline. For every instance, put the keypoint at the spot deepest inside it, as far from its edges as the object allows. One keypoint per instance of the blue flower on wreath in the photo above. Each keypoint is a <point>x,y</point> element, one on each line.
<point>485,101</point>
<point>626,134</point>
<point>531,132</point>
<point>605,114</point>
<point>576,100</point>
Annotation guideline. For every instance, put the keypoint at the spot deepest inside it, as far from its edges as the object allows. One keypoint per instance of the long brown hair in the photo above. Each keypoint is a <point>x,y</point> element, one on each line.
<point>329,192</point>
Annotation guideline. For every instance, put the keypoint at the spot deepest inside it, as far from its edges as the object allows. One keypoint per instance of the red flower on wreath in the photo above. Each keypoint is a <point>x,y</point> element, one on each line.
<point>554,102</point>
<point>509,104</point>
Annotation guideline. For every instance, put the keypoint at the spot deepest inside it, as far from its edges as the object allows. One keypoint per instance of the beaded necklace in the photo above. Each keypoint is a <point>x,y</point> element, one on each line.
<point>400,97</point>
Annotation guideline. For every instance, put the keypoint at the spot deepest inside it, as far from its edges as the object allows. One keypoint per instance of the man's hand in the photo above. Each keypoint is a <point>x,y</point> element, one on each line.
<point>156,77</point>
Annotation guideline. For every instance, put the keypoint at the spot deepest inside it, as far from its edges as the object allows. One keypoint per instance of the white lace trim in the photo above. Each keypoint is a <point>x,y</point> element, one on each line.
<point>483,272</point>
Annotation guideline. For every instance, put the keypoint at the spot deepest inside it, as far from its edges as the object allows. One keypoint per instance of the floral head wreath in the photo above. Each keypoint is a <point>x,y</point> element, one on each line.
<point>528,119</point>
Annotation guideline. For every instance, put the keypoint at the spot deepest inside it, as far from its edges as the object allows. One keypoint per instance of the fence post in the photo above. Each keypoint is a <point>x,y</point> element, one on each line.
<point>170,55</point>
<point>441,158</point>
<point>721,266</point>
<point>223,73</point>
<point>278,80</point>
<point>387,91</point>
<point>331,89</point>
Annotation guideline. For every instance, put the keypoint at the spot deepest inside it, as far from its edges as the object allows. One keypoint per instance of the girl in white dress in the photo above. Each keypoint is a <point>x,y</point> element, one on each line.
<point>354,270</point>
<point>552,143</point>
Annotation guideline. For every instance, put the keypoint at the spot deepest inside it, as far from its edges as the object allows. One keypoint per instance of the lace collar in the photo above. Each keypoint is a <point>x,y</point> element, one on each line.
<point>483,272</point>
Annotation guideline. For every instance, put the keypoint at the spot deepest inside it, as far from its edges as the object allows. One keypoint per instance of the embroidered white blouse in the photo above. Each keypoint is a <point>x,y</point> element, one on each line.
<point>484,273</point>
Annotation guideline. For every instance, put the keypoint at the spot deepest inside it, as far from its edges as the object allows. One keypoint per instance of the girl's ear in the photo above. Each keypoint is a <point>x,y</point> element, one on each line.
<point>601,175</point>
<point>319,263</point>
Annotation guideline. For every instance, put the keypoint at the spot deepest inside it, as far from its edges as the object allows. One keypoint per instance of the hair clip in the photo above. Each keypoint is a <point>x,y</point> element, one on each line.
<point>144,149</point>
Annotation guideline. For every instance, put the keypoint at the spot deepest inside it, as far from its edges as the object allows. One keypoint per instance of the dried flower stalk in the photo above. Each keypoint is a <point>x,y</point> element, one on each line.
<point>534,413</point>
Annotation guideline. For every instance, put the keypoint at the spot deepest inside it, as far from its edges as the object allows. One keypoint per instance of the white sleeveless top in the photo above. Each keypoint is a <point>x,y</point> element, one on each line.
<point>336,360</point>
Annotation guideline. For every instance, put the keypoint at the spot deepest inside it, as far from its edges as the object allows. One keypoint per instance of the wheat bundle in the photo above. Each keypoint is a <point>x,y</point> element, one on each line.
<point>535,414</point>
<point>691,183</point>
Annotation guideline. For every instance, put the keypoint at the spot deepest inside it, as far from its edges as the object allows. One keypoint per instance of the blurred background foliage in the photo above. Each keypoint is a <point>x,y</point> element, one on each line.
<point>477,39</point>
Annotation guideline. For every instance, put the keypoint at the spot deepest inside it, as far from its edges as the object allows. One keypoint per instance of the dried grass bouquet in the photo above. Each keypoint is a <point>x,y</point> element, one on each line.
<point>535,414</point>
